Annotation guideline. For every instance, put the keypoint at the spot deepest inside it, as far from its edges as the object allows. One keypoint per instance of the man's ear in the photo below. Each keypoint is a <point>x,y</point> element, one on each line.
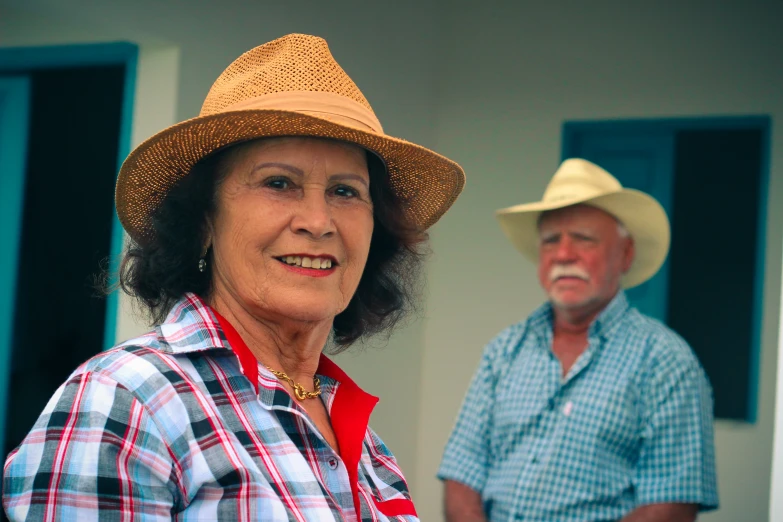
<point>629,252</point>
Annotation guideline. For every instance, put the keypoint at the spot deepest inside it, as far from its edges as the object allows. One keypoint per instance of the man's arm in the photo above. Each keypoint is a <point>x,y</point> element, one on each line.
<point>462,503</point>
<point>675,468</point>
<point>663,513</point>
<point>467,457</point>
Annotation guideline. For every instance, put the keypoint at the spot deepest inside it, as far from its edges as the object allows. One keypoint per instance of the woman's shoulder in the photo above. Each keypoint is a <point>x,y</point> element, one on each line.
<point>131,352</point>
<point>143,366</point>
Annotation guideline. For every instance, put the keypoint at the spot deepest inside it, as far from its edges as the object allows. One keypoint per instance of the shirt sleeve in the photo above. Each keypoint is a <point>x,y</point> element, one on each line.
<point>677,459</point>
<point>94,453</point>
<point>466,458</point>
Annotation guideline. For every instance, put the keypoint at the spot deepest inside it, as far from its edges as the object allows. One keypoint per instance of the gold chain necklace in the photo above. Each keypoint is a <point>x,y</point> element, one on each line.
<point>299,390</point>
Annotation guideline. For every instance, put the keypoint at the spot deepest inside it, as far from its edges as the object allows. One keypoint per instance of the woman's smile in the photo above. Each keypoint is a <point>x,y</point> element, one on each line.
<point>309,264</point>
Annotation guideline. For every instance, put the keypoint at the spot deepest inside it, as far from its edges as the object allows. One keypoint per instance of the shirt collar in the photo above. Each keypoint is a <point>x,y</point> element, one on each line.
<point>610,316</point>
<point>193,326</point>
<point>542,319</point>
<point>250,366</point>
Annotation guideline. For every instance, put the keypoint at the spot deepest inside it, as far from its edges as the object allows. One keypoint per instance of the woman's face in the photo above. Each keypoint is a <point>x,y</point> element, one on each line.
<point>292,228</point>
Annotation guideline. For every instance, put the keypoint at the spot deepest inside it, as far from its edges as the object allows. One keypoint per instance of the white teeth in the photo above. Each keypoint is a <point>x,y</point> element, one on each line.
<point>307,262</point>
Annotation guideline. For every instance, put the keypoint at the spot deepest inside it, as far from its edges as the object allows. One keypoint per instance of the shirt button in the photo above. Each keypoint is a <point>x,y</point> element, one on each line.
<point>332,462</point>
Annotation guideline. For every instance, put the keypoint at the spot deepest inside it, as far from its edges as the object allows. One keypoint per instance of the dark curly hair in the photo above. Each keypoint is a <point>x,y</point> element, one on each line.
<point>159,273</point>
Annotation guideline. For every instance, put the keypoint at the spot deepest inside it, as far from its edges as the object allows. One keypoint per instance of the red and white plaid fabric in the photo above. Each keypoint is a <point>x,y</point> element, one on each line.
<point>183,423</point>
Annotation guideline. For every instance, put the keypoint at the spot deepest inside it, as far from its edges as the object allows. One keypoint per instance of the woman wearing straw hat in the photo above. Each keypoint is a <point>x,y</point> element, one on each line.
<point>280,217</point>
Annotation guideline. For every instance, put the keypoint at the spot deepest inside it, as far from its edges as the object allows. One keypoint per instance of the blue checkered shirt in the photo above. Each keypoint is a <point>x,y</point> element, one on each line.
<point>631,423</point>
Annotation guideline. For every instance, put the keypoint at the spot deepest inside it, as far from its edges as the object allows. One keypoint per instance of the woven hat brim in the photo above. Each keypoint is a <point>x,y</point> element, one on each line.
<point>426,183</point>
<point>643,217</point>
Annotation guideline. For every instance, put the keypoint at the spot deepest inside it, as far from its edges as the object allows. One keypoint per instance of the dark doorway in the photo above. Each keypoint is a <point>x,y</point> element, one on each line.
<point>74,135</point>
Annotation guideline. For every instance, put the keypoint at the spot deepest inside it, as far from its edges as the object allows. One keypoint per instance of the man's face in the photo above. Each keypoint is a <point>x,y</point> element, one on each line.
<point>582,256</point>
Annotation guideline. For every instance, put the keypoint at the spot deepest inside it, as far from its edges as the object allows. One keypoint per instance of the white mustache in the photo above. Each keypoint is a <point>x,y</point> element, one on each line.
<point>559,271</point>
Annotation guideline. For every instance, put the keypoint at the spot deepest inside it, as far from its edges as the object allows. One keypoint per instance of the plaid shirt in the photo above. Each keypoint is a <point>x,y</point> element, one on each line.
<point>631,423</point>
<point>184,424</point>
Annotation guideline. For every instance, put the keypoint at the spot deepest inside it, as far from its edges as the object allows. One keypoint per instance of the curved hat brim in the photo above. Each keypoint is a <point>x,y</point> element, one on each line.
<point>643,217</point>
<point>426,183</point>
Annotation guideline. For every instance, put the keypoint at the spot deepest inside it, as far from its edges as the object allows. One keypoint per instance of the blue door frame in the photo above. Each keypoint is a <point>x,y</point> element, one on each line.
<point>572,130</point>
<point>21,60</point>
<point>14,110</point>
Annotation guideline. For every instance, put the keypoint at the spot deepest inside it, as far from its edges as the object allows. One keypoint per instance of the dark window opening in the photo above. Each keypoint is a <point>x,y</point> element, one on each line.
<point>713,256</point>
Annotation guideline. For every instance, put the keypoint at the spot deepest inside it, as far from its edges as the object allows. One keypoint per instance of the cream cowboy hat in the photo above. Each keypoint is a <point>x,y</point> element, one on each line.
<point>291,86</point>
<point>579,181</point>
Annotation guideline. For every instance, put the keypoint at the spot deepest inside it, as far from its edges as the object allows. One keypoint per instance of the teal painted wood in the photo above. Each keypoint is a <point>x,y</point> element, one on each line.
<point>82,55</point>
<point>117,235</point>
<point>765,124</point>
<point>14,114</point>
<point>644,162</point>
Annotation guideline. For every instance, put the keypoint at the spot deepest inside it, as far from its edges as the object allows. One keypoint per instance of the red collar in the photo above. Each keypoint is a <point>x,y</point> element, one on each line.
<point>351,407</point>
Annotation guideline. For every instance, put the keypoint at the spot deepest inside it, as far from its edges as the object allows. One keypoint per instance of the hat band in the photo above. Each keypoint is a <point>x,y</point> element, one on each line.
<point>326,105</point>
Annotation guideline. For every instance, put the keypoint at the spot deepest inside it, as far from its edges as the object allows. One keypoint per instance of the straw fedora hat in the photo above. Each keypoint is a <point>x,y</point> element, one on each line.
<point>291,86</point>
<point>579,181</point>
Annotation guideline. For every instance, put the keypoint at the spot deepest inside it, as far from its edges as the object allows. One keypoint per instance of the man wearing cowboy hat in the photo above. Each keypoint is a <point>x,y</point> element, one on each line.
<point>588,410</point>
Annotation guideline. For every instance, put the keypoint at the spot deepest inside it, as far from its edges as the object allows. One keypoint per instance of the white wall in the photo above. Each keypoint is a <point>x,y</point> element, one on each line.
<point>776,500</point>
<point>489,86</point>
